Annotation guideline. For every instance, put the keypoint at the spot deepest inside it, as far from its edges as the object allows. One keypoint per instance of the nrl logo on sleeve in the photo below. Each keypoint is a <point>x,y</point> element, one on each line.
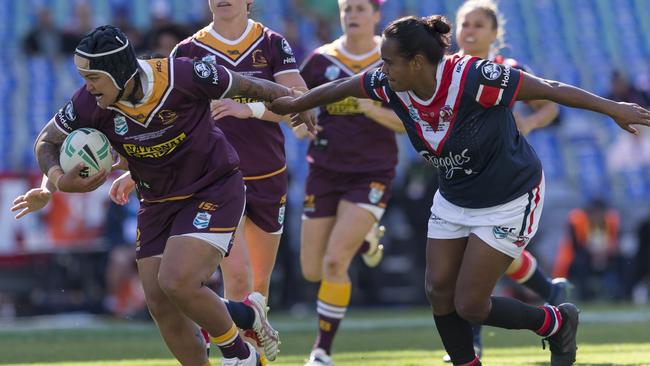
<point>286,48</point>
<point>202,220</point>
<point>332,72</point>
<point>202,70</point>
<point>70,115</point>
<point>491,71</point>
<point>121,127</point>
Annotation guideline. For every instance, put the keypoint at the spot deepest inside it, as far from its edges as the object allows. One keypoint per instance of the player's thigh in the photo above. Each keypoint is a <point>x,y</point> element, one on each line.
<point>352,224</point>
<point>480,270</point>
<point>203,230</point>
<point>443,263</point>
<point>445,248</point>
<point>262,248</point>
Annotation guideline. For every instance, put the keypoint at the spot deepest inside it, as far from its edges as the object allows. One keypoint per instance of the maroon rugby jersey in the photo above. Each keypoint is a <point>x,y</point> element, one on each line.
<point>261,53</point>
<point>169,139</point>
<point>349,141</point>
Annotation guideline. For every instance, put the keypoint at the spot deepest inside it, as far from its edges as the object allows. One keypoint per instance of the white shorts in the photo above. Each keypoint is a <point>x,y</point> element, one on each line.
<point>507,228</point>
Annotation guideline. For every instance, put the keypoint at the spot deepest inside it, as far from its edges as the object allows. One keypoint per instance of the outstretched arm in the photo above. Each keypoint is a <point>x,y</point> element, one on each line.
<point>624,114</point>
<point>268,91</point>
<point>253,87</point>
<point>321,95</point>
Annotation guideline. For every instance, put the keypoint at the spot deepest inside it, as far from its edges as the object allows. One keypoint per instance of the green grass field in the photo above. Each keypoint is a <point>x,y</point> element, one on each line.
<point>401,337</point>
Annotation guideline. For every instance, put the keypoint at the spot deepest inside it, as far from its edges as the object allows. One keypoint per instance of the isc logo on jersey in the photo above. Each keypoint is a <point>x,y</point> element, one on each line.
<point>87,146</point>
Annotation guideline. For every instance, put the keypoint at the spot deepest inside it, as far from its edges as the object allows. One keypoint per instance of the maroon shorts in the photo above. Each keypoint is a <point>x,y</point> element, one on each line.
<point>325,188</point>
<point>212,214</point>
<point>265,201</point>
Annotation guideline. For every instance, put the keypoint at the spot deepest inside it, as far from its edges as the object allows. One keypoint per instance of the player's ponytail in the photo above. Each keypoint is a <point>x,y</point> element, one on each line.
<point>429,36</point>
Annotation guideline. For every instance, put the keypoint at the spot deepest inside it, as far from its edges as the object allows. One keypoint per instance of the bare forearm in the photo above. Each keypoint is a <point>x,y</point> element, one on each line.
<point>328,93</point>
<point>252,87</point>
<point>570,96</point>
<point>47,155</point>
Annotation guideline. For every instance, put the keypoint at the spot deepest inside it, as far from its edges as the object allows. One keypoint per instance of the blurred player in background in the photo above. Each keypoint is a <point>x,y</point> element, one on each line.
<point>156,114</point>
<point>351,166</point>
<point>457,113</point>
<point>480,33</point>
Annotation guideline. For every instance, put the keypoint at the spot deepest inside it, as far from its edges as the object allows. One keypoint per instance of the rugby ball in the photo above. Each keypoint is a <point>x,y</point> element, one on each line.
<point>87,146</point>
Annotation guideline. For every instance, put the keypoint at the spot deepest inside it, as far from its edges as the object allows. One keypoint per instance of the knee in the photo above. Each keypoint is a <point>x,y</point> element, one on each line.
<point>472,309</point>
<point>311,273</point>
<point>439,292</point>
<point>173,284</point>
<point>334,265</point>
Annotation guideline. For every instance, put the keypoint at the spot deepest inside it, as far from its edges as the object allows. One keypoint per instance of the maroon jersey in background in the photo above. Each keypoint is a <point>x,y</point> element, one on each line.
<point>349,141</point>
<point>261,53</point>
<point>169,139</point>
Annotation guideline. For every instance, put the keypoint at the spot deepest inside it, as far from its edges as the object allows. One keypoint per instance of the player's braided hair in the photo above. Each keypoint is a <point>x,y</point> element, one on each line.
<point>429,36</point>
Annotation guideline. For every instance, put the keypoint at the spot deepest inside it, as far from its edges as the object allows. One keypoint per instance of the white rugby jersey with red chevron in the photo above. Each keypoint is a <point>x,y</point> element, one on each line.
<point>467,130</point>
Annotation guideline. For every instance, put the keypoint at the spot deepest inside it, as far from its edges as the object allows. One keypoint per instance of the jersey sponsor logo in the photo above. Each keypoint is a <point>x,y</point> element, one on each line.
<point>121,127</point>
<point>332,72</point>
<point>201,220</point>
<point>206,72</point>
<point>244,100</point>
<point>376,192</point>
<point>289,60</point>
<point>167,116</point>
<point>259,60</point>
<point>506,77</point>
<point>347,106</point>
<point>449,164</point>
<point>491,71</point>
<point>155,151</point>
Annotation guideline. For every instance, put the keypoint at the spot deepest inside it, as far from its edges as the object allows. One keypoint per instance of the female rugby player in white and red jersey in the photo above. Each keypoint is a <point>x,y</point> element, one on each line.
<point>480,32</point>
<point>456,111</point>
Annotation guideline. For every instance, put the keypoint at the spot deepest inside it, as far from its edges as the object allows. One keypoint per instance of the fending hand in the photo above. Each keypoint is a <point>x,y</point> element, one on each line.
<point>627,114</point>
<point>32,201</point>
<point>121,188</point>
